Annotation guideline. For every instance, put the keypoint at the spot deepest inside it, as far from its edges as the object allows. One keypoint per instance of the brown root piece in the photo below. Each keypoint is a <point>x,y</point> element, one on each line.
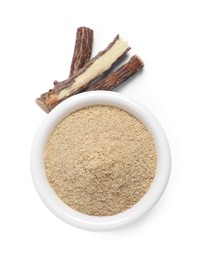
<point>82,49</point>
<point>115,78</point>
<point>102,62</point>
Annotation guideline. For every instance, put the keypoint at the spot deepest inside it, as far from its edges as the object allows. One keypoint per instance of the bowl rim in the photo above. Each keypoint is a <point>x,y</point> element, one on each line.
<point>49,197</point>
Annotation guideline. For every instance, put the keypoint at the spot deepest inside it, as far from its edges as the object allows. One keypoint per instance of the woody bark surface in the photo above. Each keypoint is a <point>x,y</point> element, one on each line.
<point>82,49</point>
<point>102,62</point>
<point>115,78</point>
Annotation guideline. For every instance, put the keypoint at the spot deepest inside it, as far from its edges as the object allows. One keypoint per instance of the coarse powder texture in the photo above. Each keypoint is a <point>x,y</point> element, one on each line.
<point>100,160</point>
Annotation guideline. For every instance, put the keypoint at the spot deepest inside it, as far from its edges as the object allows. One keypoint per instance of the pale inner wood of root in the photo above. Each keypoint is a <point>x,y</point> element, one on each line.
<point>102,64</point>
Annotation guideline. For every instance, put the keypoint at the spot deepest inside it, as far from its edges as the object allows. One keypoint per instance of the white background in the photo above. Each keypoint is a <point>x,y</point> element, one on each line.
<point>37,39</point>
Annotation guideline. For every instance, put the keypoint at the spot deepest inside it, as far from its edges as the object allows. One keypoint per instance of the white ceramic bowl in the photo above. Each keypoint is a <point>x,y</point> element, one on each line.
<point>76,218</point>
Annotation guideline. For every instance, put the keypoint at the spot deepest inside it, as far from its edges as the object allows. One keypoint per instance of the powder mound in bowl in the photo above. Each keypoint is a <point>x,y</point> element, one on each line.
<point>100,160</point>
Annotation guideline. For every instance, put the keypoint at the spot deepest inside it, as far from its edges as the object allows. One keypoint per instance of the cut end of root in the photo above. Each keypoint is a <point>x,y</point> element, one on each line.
<point>42,105</point>
<point>140,61</point>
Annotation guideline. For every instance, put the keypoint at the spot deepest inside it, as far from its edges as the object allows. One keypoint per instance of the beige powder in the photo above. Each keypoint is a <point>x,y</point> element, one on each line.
<point>100,160</point>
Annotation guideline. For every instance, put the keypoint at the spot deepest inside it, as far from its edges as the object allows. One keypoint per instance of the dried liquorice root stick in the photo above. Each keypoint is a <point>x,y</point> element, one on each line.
<point>92,70</point>
<point>82,49</point>
<point>115,78</point>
